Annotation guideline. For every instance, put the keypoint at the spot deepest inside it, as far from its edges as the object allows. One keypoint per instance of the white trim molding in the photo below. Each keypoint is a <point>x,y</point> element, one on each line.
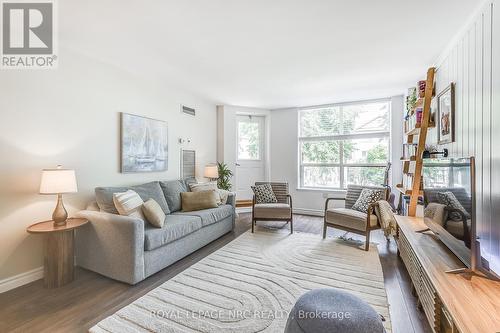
<point>307,211</point>
<point>243,209</point>
<point>300,211</point>
<point>21,279</point>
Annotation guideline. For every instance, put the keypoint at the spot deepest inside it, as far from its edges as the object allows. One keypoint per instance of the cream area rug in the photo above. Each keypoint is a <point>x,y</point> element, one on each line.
<point>251,284</point>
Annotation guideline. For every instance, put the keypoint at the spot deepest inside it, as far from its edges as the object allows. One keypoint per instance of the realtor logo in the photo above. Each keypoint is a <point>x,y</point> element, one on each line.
<point>28,35</point>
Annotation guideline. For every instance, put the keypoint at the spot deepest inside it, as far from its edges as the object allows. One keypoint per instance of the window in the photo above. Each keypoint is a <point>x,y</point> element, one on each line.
<point>249,146</point>
<point>344,144</point>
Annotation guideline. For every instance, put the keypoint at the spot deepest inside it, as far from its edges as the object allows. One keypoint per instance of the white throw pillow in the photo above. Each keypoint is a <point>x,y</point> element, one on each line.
<point>129,204</point>
<point>224,195</point>
<point>208,186</point>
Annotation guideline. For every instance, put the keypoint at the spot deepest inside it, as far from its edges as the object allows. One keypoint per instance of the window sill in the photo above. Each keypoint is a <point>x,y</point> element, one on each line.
<point>321,190</point>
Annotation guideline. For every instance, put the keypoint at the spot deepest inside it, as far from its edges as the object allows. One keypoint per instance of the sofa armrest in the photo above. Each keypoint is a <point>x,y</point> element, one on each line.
<point>231,199</point>
<point>111,245</point>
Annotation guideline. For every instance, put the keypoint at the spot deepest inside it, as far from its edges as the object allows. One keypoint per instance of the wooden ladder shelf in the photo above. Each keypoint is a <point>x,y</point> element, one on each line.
<point>421,131</point>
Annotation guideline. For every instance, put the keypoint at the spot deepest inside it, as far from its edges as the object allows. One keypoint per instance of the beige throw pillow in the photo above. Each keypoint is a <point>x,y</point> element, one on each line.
<point>198,200</point>
<point>128,204</point>
<point>153,213</point>
<point>222,195</point>
<point>210,186</point>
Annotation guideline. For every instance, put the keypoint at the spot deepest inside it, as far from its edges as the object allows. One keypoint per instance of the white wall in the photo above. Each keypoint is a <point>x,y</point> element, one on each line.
<point>473,64</point>
<point>397,116</point>
<point>70,116</point>
<point>284,156</point>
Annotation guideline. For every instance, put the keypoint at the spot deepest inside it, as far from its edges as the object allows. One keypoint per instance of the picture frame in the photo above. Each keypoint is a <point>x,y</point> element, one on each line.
<point>144,144</point>
<point>445,118</point>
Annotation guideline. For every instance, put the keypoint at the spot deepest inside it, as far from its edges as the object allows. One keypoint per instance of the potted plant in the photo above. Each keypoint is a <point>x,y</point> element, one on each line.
<point>225,175</point>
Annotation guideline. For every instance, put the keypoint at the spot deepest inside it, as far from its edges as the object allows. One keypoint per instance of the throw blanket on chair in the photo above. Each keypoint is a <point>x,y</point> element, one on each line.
<point>386,218</point>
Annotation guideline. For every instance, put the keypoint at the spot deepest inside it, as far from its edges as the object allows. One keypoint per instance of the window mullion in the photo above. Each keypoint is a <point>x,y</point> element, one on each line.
<point>341,148</point>
<point>371,135</point>
<point>341,169</point>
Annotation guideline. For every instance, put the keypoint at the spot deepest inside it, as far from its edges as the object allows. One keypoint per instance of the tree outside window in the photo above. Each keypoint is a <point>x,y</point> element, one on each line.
<point>248,140</point>
<point>344,144</point>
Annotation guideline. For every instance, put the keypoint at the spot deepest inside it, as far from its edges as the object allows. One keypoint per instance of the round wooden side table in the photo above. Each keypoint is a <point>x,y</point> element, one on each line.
<point>58,250</point>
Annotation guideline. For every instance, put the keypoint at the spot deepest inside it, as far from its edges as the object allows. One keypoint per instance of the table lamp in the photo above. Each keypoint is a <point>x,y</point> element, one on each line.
<point>211,172</point>
<point>58,181</point>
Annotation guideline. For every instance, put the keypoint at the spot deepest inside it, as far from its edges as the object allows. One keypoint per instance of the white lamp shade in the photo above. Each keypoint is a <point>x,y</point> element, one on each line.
<point>56,181</point>
<point>211,171</point>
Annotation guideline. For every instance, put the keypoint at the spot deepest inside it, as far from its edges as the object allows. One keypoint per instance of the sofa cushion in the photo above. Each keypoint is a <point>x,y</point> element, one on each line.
<point>272,211</point>
<point>151,190</point>
<point>175,227</point>
<point>349,218</point>
<point>172,190</point>
<point>210,216</point>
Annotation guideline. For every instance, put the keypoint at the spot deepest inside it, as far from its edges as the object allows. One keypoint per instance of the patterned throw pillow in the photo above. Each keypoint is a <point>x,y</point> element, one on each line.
<point>129,203</point>
<point>264,194</point>
<point>450,200</point>
<point>366,198</point>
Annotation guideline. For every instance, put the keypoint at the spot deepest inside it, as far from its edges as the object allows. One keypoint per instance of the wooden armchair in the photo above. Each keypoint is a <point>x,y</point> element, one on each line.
<point>352,220</point>
<point>280,211</point>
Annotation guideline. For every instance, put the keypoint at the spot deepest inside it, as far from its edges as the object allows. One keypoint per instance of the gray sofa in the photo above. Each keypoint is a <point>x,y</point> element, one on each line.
<point>129,249</point>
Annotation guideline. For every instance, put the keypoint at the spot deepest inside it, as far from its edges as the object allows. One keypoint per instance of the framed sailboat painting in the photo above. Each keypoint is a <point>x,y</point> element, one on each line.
<point>144,144</point>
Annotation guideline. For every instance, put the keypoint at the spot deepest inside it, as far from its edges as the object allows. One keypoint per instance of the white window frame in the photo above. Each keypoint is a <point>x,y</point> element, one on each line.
<point>341,165</point>
<point>261,123</point>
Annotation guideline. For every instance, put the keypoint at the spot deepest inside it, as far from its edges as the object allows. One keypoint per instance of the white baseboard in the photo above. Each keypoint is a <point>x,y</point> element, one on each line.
<point>243,209</point>
<point>21,279</point>
<point>307,211</point>
<point>304,211</point>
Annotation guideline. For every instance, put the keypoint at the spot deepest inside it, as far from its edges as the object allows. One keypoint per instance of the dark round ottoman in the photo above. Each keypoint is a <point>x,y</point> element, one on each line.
<point>332,310</point>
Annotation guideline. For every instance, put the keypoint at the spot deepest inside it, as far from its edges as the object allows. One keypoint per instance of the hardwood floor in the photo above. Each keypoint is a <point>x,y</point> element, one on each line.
<point>91,297</point>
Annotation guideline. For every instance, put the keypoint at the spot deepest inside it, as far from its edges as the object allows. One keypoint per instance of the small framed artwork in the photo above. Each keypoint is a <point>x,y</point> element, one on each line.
<point>446,115</point>
<point>144,144</point>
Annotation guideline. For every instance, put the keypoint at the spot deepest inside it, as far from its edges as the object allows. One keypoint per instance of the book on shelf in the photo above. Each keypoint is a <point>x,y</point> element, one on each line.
<point>405,202</point>
<point>412,122</point>
<point>409,150</point>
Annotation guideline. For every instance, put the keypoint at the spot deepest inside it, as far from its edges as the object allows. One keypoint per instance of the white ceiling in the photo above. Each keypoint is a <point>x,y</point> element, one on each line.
<point>269,53</point>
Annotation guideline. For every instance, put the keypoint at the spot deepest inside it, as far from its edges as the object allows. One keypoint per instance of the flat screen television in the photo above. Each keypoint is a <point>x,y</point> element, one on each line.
<point>449,207</point>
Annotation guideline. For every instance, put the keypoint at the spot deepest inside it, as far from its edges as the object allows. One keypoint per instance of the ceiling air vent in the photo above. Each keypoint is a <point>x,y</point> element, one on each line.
<point>188,110</point>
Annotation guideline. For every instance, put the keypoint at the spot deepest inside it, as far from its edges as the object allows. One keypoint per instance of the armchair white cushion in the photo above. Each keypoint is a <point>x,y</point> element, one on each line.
<point>272,210</point>
<point>350,218</point>
<point>281,209</point>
